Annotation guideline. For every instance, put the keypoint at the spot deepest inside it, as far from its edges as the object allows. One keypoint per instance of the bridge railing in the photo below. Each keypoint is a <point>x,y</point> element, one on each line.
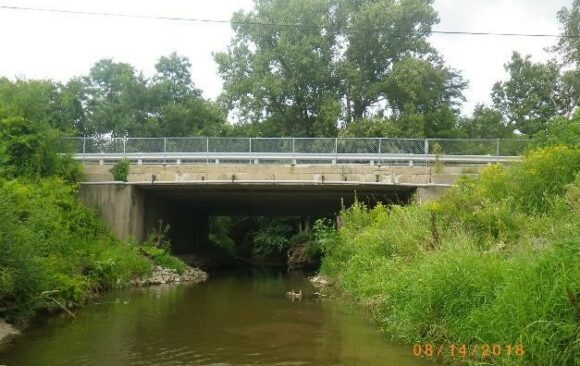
<point>199,150</point>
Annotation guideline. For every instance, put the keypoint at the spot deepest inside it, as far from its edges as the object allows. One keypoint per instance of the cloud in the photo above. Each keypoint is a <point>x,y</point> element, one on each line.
<point>60,46</point>
<point>481,59</point>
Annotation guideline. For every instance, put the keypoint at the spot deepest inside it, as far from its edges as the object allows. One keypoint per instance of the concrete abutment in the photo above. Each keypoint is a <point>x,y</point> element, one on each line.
<point>132,214</point>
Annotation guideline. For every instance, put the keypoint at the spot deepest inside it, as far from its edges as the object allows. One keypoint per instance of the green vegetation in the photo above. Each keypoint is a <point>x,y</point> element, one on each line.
<point>56,253</point>
<point>495,261</point>
<point>263,238</point>
<point>332,79</point>
<point>120,170</point>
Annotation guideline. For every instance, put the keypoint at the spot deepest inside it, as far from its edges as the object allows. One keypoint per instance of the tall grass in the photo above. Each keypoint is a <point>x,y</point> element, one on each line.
<point>55,252</point>
<point>495,261</point>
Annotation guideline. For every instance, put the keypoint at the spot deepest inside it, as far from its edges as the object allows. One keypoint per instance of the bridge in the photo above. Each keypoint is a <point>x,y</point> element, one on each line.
<point>183,181</point>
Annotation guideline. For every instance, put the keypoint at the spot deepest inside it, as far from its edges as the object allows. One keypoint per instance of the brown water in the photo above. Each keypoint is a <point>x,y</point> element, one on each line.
<point>241,318</point>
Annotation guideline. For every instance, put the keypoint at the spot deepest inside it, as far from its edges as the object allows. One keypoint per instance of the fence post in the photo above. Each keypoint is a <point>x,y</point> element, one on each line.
<point>293,151</point>
<point>335,150</point>
<point>497,148</point>
<point>426,151</point>
<point>380,147</point>
<point>84,148</point>
<point>250,150</point>
<point>207,150</point>
<point>124,147</point>
<point>164,150</point>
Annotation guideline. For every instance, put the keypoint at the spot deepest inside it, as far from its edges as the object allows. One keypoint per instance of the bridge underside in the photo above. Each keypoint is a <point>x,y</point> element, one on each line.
<point>133,210</point>
<point>274,200</point>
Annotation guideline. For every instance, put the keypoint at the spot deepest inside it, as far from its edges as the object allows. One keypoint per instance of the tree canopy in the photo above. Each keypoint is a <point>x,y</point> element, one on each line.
<point>335,62</point>
<point>311,68</point>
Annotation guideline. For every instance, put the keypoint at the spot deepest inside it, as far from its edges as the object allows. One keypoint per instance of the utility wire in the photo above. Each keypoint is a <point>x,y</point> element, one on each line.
<point>266,24</point>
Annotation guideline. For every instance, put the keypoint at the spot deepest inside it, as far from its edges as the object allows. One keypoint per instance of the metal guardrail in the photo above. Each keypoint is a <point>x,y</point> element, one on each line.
<point>215,150</point>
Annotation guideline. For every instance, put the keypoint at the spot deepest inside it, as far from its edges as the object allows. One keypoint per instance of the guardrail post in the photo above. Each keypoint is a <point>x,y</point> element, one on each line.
<point>497,148</point>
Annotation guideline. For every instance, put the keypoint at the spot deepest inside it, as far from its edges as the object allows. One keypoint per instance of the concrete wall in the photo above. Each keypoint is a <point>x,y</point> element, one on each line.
<point>132,214</point>
<point>121,206</point>
<point>263,172</point>
<point>427,194</point>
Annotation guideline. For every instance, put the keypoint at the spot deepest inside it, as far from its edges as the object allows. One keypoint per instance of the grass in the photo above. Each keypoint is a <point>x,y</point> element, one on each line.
<point>56,251</point>
<point>495,261</point>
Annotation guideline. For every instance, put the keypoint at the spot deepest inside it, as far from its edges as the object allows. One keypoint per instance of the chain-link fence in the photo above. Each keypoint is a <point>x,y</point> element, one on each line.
<point>198,150</point>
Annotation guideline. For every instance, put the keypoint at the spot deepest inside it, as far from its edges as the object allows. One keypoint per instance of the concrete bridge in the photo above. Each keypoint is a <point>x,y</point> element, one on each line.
<point>292,177</point>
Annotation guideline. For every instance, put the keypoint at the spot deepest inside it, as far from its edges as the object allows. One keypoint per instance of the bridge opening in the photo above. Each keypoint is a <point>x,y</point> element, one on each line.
<point>199,214</point>
<point>244,219</point>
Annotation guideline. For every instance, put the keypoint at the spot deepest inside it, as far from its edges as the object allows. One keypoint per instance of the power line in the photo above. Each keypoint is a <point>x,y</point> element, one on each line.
<point>266,24</point>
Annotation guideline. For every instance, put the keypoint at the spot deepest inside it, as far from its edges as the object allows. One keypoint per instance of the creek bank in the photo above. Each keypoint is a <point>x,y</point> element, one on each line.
<point>159,276</point>
<point>321,281</point>
<point>7,331</point>
<point>299,257</point>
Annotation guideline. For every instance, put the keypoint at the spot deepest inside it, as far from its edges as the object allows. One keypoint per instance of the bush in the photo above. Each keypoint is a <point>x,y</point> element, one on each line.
<point>56,250</point>
<point>34,150</point>
<point>494,261</point>
<point>560,131</point>
<point>120,170</point>
<point>219,233</point>
<point>273,236</point>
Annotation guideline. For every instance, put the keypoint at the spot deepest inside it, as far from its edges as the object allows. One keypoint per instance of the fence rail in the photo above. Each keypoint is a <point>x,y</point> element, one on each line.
<point>195,150</point>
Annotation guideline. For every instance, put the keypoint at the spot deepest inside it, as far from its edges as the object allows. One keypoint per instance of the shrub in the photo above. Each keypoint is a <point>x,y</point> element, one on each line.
<point>34,150</point>
<point>219,233</point>
<point>120,170</point>
<point>56,250</point>
<point>272,236</point>
<point>560,131</point>
<point>504,270</point>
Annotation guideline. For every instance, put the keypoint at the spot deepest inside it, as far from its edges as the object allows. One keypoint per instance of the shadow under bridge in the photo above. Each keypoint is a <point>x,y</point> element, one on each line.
<point>134,210</point>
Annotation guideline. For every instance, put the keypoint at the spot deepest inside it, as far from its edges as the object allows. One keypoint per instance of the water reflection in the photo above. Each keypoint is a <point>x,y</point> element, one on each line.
<point>234,319</point>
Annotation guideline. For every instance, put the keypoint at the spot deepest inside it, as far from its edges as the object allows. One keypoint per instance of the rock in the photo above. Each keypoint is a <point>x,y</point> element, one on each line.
<point>162,276</point>
<point>321,281</point>
<point>7,331</point>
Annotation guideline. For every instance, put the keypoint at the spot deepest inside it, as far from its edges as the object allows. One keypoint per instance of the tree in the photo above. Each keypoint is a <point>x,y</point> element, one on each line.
<point>485,123</point>
<point>344,60</point>
<point>283,75</point>
<point>39,101</point>
<point>532,95</point>
<point>33,150</point>
<point>379,34</point>
<point>569,45</point>
<point>425,90</point>
<point>372,127</point>
<point>178,108</point>
<point>116,99</point>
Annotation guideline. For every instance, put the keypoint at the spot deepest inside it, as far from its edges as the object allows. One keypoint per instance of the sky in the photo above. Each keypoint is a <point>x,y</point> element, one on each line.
<point>54,46</point>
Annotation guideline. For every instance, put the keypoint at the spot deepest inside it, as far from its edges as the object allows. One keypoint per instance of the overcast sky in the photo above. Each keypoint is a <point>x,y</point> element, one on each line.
<point>59,46</point>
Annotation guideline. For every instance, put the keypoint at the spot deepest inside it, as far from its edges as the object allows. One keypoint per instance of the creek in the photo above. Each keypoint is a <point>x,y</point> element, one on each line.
<point>235,318</point>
